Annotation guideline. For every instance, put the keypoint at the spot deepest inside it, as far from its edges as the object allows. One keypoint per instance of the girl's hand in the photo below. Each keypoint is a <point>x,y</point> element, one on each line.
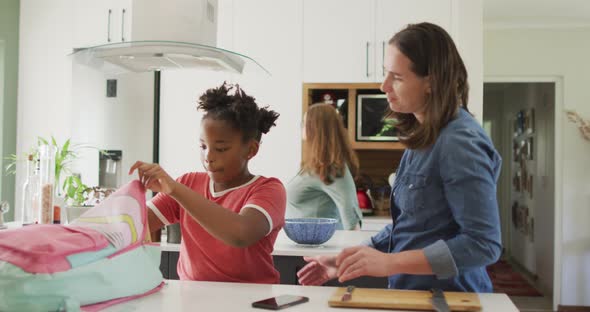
<point>153,177</point>
<point>360,261</point>
<point>318,270</point>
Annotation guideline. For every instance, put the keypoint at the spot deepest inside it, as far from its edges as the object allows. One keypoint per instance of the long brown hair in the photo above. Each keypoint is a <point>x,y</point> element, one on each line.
<point>327,149</point>
<point>434,55</point>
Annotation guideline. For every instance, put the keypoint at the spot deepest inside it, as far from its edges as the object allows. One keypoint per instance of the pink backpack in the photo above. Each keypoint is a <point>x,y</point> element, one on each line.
<point>97,260</point>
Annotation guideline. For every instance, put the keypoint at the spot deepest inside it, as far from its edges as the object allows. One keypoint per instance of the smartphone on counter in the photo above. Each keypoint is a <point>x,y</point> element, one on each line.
<point>280,302</point>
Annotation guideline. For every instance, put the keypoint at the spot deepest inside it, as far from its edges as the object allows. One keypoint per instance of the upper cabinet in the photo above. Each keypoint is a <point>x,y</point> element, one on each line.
<point>338,41</point>
<point>344,41</point>
<point>101,22</point>
<point>393,15</point>
<point>116,21</point>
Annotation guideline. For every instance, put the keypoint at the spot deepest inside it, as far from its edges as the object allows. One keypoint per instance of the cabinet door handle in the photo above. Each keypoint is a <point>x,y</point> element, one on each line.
<point>367,60</point>
<point>123,25</point>
<point>109,27</point>
<point>383,58</point>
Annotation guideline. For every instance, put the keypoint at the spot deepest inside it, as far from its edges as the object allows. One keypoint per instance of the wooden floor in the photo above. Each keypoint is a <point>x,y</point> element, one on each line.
<point>533,304</point>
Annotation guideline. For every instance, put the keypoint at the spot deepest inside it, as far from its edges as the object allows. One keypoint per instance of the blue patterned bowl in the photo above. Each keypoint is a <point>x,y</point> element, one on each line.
<point>310,231</point>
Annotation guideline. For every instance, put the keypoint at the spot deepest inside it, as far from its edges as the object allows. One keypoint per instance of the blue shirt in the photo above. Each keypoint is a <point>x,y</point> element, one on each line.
<point>444,202</point>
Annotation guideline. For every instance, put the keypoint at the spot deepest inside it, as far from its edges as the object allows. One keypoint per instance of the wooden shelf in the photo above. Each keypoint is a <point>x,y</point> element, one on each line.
<point>350,91</point>
<point>396,146</point>
<point>377,159</point>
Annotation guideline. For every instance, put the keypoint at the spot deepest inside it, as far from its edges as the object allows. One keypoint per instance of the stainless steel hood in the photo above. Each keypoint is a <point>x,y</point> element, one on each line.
<point>153,55</point>
<point>164,35</point>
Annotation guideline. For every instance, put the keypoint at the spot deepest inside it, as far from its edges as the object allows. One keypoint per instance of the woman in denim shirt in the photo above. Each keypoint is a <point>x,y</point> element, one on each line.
<point>446,226</point>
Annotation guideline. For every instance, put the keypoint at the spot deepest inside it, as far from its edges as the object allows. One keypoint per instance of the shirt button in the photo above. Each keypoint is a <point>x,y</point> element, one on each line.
<point>411,186</point>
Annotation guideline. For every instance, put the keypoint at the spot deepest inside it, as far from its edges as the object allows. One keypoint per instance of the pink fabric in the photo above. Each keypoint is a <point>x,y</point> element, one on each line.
<point>114,214</point>
<point>43,248</point>
<point>105,304</point>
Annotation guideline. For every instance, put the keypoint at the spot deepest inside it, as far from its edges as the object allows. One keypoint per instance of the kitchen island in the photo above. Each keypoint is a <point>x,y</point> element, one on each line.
<point>288,257</point>
<point>211,296</point>
<point>285,247</point>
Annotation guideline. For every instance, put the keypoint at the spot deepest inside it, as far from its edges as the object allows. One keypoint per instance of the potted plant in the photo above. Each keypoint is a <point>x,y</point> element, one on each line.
<point>72,190</point>
<point>76,196</point>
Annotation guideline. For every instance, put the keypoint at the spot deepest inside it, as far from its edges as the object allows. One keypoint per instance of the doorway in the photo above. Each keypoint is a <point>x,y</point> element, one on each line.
<point>519,116</point>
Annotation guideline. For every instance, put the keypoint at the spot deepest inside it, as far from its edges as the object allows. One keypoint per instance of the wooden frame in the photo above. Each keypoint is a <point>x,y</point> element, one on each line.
<point>352,89</point>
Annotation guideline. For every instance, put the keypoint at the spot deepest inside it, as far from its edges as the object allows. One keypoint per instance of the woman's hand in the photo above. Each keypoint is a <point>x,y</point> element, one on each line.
<point>153,177</point>
<point>360,261</point>
<point>318,270</point>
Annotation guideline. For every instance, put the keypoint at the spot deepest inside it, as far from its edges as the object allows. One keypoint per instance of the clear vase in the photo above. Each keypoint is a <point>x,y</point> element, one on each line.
<point>46,182</point>
<point>29,193</point>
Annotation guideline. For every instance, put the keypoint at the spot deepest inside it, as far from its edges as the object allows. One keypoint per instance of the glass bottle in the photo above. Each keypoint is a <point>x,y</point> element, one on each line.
<point>27,210</point>
<point>47,181</point>
<point>36,194</point>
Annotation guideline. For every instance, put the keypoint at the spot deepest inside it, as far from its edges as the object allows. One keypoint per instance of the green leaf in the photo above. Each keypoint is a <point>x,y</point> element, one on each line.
<point>42,141</point>
<point>64,149</point>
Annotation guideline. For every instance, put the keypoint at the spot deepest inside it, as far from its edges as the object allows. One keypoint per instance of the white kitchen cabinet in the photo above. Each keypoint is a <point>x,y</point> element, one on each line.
<point>344,41</point>
<point>115,21</point>
<point>393,15</point>
<point>338,41</point>
<point>101,22</point>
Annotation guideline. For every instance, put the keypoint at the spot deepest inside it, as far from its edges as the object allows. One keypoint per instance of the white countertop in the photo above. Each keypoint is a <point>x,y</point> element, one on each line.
<point>286,247</point>
<point>341,239</point>
<point>375,223</point>
<point>232,297</point>
<point>377,219</point>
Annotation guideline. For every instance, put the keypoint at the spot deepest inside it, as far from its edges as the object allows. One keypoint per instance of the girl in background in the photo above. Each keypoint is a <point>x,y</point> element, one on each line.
<point>324,187</point>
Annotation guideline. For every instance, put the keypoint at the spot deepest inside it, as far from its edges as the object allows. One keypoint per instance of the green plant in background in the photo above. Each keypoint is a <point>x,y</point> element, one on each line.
<point>72,188</point>
<point>75,191</point>
<point>388,126</point>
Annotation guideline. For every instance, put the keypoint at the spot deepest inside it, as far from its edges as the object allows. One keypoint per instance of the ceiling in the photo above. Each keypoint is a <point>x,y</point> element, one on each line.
<point>536,13</point>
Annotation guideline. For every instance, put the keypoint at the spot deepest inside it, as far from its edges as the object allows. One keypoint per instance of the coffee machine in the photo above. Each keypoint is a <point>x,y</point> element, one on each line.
<point>109,168</point>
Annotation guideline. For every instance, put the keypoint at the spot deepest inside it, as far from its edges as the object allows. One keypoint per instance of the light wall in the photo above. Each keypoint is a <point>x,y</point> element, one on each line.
<point>244,29</point>
<point>467,29</point>
<point>45,80</point>
<point>9,19</point>
<point>561,53</point>
<point>60,99</point>
<point>124,122</point>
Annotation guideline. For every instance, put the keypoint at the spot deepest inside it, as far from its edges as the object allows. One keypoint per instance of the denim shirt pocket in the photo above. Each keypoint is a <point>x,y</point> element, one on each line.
<point>410,193</point>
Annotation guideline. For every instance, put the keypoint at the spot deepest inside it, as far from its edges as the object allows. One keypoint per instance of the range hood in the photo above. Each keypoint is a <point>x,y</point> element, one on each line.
<point>167,35</point>
<point>157,55</point>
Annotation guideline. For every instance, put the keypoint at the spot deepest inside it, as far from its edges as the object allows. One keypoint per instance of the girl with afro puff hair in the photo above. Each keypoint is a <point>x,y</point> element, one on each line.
<point>229,217</point>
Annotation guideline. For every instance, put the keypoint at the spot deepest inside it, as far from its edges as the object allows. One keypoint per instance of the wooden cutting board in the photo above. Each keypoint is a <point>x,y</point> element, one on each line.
<point>403,299</point>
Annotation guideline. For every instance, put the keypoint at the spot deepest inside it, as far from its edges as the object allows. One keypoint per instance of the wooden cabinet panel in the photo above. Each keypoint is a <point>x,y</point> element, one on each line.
<point>350,91</point>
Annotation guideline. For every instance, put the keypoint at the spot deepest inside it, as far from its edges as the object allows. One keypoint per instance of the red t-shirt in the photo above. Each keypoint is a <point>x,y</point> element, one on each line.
<point>204,257</point>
